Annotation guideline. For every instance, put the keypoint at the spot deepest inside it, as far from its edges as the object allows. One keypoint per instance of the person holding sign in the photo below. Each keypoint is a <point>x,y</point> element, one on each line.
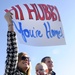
<point>41,69</point>
<point>47,60</point>
<point>16,64</point>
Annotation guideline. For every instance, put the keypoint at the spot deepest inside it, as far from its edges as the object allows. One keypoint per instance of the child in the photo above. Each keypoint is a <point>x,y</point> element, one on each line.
<point>41,69</point>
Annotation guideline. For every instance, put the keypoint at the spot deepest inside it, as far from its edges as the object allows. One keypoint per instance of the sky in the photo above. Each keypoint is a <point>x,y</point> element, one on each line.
<point>62,55</point>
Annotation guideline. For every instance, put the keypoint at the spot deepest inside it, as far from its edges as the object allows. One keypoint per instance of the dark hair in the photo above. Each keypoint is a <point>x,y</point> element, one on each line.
<point>44,59</point>
<point>20,55</point>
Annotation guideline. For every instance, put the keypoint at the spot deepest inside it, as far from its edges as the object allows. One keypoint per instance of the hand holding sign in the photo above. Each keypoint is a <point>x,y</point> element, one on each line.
<point>8,17</point>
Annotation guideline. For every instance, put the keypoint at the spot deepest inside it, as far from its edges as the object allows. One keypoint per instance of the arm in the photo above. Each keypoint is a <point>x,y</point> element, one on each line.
<point>12,53</point>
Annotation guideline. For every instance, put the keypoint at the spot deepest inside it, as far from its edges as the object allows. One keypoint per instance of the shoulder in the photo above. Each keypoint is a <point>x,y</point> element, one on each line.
<point>53,73</point>
<point>18,72</point>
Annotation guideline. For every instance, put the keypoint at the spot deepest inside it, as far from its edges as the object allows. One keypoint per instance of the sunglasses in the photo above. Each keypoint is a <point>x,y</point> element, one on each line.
<point>24,58</point>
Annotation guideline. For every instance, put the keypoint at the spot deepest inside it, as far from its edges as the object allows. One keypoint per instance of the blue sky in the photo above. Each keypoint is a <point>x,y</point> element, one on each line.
<point>63,55</point>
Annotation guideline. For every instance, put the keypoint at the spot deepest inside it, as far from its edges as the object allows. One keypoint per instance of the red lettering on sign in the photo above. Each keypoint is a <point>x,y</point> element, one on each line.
<point>53,14</point>
<point>31,10</point>
<point>21,13</point>
<point>41,12</point>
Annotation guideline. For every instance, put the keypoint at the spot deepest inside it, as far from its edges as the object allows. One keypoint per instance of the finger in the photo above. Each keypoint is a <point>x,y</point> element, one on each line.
<point>11,15</point>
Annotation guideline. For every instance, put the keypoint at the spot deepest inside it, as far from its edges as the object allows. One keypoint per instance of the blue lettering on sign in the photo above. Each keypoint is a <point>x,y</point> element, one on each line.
<point>25,33</point>
<point>50,33</point>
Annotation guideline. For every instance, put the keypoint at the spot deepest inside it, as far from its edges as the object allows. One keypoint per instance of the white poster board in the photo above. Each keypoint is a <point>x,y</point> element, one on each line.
<point>38,24</point>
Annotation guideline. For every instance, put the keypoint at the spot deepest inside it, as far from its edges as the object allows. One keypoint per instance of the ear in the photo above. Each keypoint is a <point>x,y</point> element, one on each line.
<point>46,71</point>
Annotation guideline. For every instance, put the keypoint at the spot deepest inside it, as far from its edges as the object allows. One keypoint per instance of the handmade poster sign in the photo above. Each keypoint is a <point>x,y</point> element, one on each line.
<point>38,24</point>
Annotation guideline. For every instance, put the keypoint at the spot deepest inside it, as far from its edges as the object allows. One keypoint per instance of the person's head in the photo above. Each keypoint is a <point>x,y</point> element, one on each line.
<point>24,63</point>
<point>48,62</point>
<point>41,69</point>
